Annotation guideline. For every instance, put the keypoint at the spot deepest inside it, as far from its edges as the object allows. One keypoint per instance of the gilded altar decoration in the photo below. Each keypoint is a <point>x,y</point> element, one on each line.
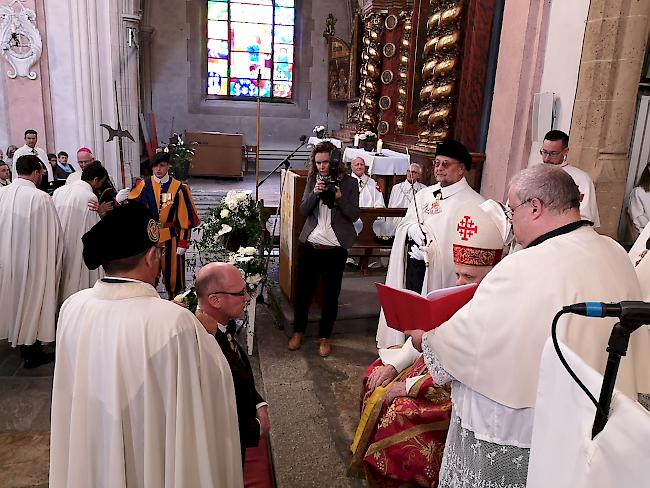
<point>370,71</point>
<point>402,79</point>
<point>384,102</point>
<point>20,41</point>
<point>340,64</point>
<point>389,50</point>
<point>439,72</point>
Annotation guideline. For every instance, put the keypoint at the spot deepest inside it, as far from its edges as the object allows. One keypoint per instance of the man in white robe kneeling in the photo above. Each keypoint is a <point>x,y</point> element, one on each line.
<point>142,395</point>
<point>491,348</point>
<point>30,263</point>
<point>72,204</point>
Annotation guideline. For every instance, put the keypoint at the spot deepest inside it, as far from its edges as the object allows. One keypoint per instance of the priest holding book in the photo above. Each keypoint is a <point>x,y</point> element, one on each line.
<point>403,409</point>
<point>490,350</point>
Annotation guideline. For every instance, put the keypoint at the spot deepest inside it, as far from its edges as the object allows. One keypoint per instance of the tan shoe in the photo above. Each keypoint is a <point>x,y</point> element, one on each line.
<point>324,348</point>
<point>296,341</point>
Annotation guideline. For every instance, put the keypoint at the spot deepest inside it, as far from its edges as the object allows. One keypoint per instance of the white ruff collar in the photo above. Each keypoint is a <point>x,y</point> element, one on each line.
<point>162,180</point>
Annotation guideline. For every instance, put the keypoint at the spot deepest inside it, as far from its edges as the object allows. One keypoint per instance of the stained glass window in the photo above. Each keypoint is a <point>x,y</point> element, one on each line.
<point>247,37</point>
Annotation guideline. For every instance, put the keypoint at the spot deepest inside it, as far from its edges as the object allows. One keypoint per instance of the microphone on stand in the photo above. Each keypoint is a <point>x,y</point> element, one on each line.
<point>633,312</point>
<point>286,161</point>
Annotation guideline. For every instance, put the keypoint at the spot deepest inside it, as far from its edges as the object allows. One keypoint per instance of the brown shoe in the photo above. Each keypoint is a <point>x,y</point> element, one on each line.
<point>324,348</point>
<point>296,341</point>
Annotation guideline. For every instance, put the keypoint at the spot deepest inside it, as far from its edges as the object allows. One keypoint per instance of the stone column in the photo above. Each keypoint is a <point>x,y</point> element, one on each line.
<point>606,97</point>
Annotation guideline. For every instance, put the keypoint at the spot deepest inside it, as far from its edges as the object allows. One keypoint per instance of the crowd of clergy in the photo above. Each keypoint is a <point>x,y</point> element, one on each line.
<point>146,393</point>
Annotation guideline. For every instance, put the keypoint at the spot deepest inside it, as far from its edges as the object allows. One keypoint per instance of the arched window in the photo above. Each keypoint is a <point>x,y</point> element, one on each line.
<point>247,37</point>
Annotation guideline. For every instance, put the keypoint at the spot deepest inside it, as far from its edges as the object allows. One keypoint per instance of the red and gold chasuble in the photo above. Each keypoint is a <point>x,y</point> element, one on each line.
<point>402,443</point>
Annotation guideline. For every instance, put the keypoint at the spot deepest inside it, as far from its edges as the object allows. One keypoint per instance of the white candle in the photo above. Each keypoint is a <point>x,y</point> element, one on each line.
<point>356,140</point>
<point>380,145</point>
<point>13,28</point>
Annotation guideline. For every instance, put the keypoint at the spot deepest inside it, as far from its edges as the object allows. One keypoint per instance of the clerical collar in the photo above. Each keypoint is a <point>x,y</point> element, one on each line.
<point>565,229</point>
<point>119,279</point>
<point>162,180</point>
<point>450,190</point>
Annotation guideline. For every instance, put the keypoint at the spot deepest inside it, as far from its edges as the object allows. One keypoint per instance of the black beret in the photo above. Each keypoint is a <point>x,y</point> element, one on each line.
<point>455,150</point>
<point>126,231</point>
<point>160,157</point>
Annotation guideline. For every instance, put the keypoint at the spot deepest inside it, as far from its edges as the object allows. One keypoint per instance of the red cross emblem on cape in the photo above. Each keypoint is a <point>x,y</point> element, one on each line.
<point>466,228</point>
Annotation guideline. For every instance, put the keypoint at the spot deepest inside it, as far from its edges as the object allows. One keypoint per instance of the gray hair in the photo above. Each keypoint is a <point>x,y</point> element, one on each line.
<point>550,184</point>
<point>416,164</point>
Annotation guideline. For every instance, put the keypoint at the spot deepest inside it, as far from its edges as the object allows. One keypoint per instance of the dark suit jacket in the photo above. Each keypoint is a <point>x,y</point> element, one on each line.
<point>344,213</point>
<point>246,395</point>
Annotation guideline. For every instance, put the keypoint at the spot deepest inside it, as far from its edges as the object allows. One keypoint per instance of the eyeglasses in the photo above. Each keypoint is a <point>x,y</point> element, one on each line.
<point>510,212</point>
<point>443,164</point>
<point>241,293</point>
<point>553,154</point>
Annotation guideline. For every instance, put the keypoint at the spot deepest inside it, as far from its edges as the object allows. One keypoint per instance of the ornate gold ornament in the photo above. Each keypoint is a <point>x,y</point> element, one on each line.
<point>383,127</point>
<point>405,44</point>
<point>391,22</point>
<point>389,50</point>
<point>387,77</point>
<point>384,102</point>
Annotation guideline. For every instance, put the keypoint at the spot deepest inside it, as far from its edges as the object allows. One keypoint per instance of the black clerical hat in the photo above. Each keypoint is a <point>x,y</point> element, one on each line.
<point>160,157</point>
<point>456,150</point>
<point>126,231</point>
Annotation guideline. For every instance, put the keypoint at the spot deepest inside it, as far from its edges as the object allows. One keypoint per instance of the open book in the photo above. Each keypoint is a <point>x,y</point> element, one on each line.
<point>408,310</point>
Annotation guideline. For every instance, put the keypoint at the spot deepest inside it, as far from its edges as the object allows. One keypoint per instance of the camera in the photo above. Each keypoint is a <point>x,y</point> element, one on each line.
<point>328,195</point>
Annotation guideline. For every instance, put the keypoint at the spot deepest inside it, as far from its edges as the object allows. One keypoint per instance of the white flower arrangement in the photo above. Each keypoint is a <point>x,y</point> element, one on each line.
<point>321,132</point>
<point>233,232</point>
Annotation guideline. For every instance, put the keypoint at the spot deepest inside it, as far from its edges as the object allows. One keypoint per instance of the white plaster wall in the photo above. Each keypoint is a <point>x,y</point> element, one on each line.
<point>281,125</point>
<point>4,117</point>
<point>562,53</point>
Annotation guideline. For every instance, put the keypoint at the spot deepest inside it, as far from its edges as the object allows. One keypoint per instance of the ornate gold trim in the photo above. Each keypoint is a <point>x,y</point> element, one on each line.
<point>370,71</point>
<point>391,22</point>
<point>387,77</point>
<point>402,70</point>
<point>389,50</point>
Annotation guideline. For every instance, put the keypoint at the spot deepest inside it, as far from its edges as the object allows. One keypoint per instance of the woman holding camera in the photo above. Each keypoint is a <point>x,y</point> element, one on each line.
<point>331,205</point>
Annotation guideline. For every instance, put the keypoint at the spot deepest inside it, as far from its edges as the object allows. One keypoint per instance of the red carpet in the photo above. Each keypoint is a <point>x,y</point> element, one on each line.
<point>258,471</point>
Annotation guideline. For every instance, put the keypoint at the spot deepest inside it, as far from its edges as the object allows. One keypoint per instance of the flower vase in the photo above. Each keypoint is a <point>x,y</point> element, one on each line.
<point>369,145</point>
<point>321,134</point>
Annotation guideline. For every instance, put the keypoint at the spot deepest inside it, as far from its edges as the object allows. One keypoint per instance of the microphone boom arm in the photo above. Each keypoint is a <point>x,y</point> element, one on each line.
<point>284,162</point>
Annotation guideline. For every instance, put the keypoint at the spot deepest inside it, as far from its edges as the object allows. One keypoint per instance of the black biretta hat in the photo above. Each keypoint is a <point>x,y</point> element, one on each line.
<point>456,150</point>
<point>126,231</point>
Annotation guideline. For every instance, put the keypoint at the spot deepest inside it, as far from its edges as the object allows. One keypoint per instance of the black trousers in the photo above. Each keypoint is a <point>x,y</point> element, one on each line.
<point>415,270</point>
<point>314,264</point>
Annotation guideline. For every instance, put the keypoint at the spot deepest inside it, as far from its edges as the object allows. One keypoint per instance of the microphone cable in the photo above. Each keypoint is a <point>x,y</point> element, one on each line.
<point>582,386</point>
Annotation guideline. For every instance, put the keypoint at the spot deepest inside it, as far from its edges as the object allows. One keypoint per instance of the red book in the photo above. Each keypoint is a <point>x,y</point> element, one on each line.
<point>407,310</point>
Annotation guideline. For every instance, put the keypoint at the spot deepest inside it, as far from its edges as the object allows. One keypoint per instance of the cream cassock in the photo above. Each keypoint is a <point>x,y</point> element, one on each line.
<point>401,196</point>
<point>30,263</point>
<point>142,395</point>
<point>369,196</point>
<point>438,218</point>
<point>71,202</point>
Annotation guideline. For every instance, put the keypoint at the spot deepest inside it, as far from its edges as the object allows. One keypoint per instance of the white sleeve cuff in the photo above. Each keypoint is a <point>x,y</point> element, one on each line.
<point>261,404</point>
<point>410,382</point>
<point>401,358</point>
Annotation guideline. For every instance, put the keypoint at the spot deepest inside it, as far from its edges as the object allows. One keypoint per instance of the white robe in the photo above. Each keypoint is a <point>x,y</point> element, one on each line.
<point>639,207</point>
<point>71,202</point>
<point>562,451</point>
<point>369,196</point>
<point>30,263</point>
<point>440,231</point>
<point>42,155</point>
<point>401,196</point>
<point>74,177</point>
<point>500,333</point>
<point>142,395</point>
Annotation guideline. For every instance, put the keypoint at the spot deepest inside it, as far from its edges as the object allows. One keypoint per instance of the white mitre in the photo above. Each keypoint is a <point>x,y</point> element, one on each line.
<point>482,232</point>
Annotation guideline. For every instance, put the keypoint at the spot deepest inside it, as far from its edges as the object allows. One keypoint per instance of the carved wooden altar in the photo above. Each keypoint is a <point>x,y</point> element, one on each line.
<point>422,74</point>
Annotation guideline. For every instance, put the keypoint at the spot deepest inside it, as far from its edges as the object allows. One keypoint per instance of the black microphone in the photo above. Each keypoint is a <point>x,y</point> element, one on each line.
<point>632,311</point>
<point>303,138</point>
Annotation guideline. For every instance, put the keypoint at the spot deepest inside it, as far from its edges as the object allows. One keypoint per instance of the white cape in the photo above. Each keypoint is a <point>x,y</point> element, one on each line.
<point>71,202</point>
<point>439,229</point>
<point>30,263</point>
<point>500,333</point>
<point>562,451</point>
<point>142,395</point>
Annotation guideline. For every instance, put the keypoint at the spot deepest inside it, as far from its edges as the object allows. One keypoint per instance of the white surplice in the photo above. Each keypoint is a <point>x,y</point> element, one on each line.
<point>369,196</point>
<point>440,228</point>
<point>30,263</point>
<point>563,452</point>
<point>639,207</point>
<point>401,196</point>
<point>71,202</point>
<point>142,395</point>
<point>73,178</point>
<point>37,151</point>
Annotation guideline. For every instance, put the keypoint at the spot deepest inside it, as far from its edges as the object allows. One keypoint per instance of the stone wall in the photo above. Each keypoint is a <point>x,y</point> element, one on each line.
<point>177,65</point>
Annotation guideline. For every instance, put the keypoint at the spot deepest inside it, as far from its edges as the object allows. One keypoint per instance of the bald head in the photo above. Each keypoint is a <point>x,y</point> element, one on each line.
<point>221,291</point>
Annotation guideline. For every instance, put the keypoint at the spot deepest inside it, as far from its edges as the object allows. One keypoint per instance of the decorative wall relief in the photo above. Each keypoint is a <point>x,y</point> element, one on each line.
<point>439,73</point>
<point>20,41</point>
<point>402,79</point>
<point>370,71</point>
